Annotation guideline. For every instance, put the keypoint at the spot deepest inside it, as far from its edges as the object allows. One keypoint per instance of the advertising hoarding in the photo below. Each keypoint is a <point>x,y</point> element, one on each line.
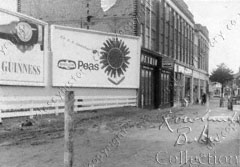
<point>104,60</point>
<point>17,68</point>
<point>21,50</point>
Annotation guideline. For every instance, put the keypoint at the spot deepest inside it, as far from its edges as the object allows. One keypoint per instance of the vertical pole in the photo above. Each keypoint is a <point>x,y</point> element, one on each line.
<point>191,90</point>
<point>207,99</point>
<point>0,116</point>
<point>199,90</point>
<point>184,85</point>
<point>68,129</point>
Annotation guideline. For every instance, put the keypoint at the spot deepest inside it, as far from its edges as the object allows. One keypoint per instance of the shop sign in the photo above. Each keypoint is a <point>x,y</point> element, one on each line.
<point>181,69</point>
<point>168,64</point>
<point>188,71</point>
<point>105,60</point>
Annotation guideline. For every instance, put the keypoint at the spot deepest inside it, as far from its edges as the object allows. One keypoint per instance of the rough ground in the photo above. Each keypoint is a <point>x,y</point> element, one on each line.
<point>141,138</point>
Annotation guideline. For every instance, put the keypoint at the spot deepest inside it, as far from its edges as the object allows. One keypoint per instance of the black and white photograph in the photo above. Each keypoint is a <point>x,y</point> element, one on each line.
<point>119,83</point>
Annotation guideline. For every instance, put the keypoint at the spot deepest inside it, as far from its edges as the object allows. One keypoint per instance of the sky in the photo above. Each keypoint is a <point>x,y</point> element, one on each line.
<point>10,5</point>
<point>222,18</point>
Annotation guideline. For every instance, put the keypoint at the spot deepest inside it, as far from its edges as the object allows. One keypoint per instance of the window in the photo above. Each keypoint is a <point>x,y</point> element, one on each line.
<point>167,13</point>
<point>147,37</point>
<point>153,43</point>
<point>175,20</point>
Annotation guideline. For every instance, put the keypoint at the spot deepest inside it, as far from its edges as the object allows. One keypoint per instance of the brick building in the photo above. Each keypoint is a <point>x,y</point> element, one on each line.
<point>174,59</point>
<point>201,61</point>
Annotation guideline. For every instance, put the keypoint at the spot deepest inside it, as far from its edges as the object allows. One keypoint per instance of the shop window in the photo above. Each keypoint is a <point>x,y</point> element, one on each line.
<point>147,37</point>
<point>147,86</point>
<point>188,88</point>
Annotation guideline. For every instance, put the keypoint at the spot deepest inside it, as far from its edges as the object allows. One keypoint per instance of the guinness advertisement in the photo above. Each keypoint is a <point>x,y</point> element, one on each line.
<point>18,68</point>
<point>21,51</point>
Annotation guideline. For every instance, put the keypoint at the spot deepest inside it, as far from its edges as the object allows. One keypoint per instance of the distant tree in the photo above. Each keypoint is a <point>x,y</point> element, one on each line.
<point>222,74</point>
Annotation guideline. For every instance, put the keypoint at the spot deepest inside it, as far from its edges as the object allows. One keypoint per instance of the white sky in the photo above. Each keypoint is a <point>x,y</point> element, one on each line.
<point>9,4</point>
<point>216,15</point>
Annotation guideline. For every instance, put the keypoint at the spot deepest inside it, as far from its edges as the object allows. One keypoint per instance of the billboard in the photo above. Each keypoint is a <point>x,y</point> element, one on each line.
<point>102,59</point>
<point>21,50</point>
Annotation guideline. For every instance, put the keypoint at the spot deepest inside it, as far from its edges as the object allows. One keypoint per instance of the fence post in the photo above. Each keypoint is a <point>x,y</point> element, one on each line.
<point>31,110</point>
<point>68,129</point>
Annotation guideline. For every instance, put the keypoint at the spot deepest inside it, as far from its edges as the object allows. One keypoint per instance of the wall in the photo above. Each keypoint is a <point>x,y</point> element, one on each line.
<point>83,14</point>
<point>54,10</point>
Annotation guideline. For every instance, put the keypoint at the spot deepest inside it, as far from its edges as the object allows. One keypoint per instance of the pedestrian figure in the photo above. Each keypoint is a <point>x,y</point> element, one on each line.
<point>230,103</point>
<point>204,98</point>
<point>197,101</point>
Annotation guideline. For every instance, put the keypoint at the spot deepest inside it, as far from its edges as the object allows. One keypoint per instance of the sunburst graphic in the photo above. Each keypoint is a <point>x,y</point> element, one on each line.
<point>114,57</point>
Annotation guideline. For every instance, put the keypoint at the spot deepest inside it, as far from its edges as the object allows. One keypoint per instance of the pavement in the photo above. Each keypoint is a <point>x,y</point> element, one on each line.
<point>193,136</point>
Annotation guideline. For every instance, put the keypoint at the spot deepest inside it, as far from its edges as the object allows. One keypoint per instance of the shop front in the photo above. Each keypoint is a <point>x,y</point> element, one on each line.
<point>178,88</point>
<point>196,91</point>
<point>167,83</point>
<point>183,84</point>
<point>148,80</point>
<point>202,87</point>
<point>188,88</point>
<point>188,94</point>
<point>156,82</point>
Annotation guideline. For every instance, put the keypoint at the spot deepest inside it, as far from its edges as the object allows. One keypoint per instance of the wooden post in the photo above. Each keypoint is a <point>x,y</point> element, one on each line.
<point>68,129</point>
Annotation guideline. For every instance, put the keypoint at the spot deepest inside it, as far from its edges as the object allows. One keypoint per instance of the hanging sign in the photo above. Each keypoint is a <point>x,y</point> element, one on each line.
<point>167,63</point>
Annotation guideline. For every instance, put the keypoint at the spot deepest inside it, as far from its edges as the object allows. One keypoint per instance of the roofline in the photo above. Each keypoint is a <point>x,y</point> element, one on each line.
<point>186,11</point>
<point>17,14</point>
